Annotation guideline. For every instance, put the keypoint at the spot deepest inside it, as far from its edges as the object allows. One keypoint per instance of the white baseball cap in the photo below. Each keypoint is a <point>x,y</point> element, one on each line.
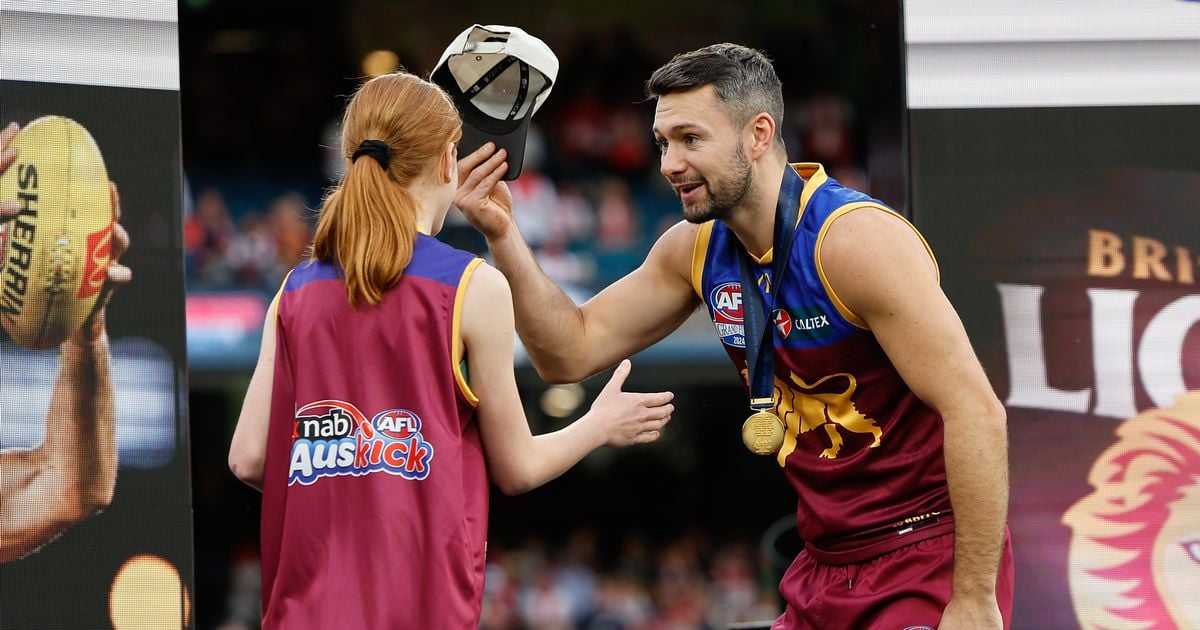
<point>498,76</point>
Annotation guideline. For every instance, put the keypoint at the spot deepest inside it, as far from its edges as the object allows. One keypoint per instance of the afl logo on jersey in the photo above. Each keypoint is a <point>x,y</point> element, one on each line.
<point>726,303</point>
<point>398,424</point>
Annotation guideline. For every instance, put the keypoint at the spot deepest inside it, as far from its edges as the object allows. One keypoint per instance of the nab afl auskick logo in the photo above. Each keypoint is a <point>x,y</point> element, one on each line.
<point>726,302</point>
<point>332,438</point>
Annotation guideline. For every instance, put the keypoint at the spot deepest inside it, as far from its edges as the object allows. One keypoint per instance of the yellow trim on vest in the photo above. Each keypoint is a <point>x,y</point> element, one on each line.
<point>837,214</point>
<point>456,349</point>
<point>814,176</point>
<point>273,308</point>
<point>699,253</point>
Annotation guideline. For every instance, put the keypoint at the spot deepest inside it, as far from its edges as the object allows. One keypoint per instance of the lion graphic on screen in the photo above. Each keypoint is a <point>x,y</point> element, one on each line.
<point>1134,557</point>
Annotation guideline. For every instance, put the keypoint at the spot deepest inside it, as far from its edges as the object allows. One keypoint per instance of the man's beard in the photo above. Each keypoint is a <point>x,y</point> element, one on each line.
<point>725,196</point>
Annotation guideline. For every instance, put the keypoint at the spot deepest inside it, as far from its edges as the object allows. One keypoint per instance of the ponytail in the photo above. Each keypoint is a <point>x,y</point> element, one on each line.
<point>395,130</point>
<point>369,226</point>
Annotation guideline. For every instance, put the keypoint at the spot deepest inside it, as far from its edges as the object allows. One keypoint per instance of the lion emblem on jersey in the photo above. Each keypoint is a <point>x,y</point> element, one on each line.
<point>1134,558</point>
<point>827,403</point>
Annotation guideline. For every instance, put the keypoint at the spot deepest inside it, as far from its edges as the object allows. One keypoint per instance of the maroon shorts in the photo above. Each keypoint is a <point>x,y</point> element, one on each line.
<point>904,589</point>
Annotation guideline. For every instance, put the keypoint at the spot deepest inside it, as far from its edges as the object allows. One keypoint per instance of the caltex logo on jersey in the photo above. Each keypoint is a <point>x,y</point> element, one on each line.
<point>802,325</point>
<point>726,303</point>
<point>332,437</point>
<point>783,322</point>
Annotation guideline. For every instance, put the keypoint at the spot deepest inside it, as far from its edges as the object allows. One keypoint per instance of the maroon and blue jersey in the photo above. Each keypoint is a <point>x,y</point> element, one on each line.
<point>861,450</point>
<point>375,491</point>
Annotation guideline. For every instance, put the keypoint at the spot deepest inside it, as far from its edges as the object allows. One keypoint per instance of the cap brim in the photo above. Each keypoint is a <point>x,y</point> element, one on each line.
<point>512,141</point>
<point>479,128</point>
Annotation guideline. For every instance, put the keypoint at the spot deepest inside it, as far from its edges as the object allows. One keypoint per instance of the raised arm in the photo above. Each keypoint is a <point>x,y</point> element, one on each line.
<point>71,475</point>
<point>567,343</point>
<point>517,460</point>
<point>881,270</point>
<point>73,472</point>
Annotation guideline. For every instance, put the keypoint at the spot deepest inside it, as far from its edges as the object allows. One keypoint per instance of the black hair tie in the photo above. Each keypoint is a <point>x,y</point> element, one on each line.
<point>377,149</point>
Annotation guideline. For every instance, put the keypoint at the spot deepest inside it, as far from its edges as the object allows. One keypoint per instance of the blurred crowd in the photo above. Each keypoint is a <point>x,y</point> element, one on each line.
<point>253,251</point>
<point>589,201</point>
<point>690,583</point>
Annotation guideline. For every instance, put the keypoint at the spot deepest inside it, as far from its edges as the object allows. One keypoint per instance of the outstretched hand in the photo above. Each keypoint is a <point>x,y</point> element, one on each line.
<point>482,197</point>
<point>629,417</point>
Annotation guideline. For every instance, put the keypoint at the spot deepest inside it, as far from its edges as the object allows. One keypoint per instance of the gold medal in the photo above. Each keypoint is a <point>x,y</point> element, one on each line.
<point>762,433</point>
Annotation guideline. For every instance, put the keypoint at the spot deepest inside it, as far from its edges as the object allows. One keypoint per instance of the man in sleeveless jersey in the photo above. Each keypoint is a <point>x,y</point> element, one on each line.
<point>893,437</point>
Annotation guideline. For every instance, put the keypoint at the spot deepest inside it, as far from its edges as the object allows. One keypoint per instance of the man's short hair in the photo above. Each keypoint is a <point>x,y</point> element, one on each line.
<point>744,79</point>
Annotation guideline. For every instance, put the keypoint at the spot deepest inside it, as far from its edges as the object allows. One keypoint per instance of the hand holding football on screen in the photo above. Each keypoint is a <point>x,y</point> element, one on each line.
<point>59,242</point>
<point>60,232</point>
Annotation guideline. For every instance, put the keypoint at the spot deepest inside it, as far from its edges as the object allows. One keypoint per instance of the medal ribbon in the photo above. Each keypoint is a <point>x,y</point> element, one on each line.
<point>760,346</point>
